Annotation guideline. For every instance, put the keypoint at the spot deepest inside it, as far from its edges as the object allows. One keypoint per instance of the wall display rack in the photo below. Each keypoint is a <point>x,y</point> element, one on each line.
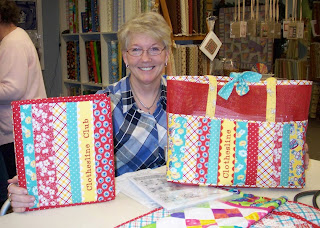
<point>90,56</point>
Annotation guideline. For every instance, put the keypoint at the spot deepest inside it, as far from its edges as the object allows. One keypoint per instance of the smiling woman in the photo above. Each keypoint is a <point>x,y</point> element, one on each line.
<point>139,100</point>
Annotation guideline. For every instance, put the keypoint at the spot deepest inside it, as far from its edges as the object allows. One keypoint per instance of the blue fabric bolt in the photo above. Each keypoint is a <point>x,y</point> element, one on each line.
<point>242,87</point>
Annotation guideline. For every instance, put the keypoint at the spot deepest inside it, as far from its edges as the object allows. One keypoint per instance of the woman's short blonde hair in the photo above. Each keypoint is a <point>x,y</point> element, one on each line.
<point>151,23</point>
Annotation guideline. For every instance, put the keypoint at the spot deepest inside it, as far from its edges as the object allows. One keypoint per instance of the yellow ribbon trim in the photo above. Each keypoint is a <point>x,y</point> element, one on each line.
<point>87,151</point>
<point>271,99</point>
<point>227,152</point>
<point>212,96</point>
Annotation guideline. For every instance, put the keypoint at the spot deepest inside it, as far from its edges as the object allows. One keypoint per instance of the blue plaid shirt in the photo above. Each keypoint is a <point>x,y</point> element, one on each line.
<point>139,138</point>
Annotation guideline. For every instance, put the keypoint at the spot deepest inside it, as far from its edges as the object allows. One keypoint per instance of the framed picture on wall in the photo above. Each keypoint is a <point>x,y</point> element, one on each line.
<point>31,21</point>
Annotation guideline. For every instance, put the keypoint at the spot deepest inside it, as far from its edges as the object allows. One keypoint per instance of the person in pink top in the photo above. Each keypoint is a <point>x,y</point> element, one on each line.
<point>20,79</point>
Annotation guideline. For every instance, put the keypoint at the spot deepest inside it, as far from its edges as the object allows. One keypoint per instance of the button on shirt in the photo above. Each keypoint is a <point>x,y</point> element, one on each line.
<point>139,137</point>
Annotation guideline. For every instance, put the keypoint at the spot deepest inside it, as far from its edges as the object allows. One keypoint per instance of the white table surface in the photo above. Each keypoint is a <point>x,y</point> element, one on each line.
<point>123,208</point>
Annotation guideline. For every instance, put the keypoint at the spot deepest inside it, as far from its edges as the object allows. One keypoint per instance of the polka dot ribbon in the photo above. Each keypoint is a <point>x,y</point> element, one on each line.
<point>242,87</point>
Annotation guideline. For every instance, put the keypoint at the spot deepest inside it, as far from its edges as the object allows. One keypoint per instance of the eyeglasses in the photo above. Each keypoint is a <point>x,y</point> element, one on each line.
<point>151,51</point>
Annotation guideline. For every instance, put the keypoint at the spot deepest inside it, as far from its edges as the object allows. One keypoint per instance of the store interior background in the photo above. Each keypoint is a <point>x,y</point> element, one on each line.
<point>52,70</point>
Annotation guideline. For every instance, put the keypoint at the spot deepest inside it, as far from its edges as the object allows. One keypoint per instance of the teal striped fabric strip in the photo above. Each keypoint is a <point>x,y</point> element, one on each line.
<point>74,152</point>
<point>285,158</point>
<point>214,151</point>
<point>180,134</point>
<point>28,151</point>
<point>241,153</point>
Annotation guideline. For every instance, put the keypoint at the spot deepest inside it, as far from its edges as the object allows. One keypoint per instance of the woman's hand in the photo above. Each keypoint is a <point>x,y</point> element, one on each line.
<point>18,196</point>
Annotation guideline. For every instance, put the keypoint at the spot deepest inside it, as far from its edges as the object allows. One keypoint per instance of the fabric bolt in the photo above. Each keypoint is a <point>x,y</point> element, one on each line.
<point>178,15</point>
<point>70,9</point>
<point>139,138</point>
<point>108,16</point>
<point>196,18</point>
<point>206,65</point>
<point>151,4</point>
<point>71,60</point>
<point>120,12</point>
<point>201,64</point>
<point>115,25</point>
<point>186,4</point>
<point>90,61</point>
<point>202,15</point>
<point>180,60</point>
<point>114,66</point>
<point>188,59</point>
<point>183,60</point>
<point>190,4</point>
<point>60,145</point>
<point>177,58</point>
<point>173,11</point>
<point>129,9</point>
<point>194,60</point>
<point>183,17</point>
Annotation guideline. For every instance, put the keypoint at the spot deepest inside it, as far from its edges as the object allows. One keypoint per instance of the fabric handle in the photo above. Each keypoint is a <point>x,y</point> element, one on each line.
<point>212,96</point>
<point>271,98</point>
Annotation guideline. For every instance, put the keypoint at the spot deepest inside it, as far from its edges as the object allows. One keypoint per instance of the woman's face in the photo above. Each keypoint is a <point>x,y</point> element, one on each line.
<point>147,69</point>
